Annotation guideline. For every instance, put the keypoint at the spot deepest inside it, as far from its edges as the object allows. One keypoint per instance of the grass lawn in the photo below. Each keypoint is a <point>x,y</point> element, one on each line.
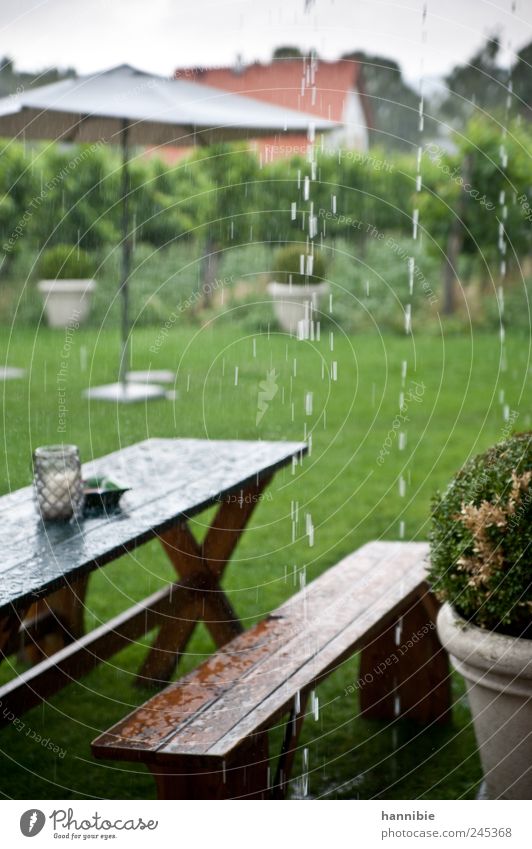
<point>351,498</point>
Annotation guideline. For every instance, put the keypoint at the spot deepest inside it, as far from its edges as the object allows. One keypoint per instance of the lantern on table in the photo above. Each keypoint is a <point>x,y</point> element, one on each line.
<point>57,481</point>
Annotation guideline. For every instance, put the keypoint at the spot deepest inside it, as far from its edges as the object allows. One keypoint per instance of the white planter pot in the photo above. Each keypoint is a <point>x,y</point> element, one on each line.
<point>498,673</point>
<point>66,301</point>
<point>294,305</point>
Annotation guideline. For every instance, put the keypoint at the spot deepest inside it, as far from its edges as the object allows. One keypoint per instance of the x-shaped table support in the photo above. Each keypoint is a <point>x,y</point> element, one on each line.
<point>203,565</point>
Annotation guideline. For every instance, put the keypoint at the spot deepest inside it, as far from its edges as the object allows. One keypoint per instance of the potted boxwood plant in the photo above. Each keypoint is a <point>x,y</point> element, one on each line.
<point>481,568</point>
<point>296,288</point>
<point>67,284</point>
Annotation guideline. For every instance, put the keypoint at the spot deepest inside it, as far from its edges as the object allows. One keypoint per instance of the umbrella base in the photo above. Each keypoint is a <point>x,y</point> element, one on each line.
<point>125,393</point>
<point>155,376</point>
<point>10,373</point>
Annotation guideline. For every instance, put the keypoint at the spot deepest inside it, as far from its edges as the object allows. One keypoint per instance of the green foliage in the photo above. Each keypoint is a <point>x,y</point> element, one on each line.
<point>373,288</point>
<point>64,262</point>
<point>479,83</point>
<point>517,314</point>
<point>17,189</point>
<point>288,262</point>
<point>287,52</point>
<point>483,566</point>
<point>475,178</point>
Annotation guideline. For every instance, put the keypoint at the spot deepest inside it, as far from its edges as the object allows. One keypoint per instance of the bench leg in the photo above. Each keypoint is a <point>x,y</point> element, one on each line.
<point>404,671</point>
<point>289,749</point>
<point>243,776</point>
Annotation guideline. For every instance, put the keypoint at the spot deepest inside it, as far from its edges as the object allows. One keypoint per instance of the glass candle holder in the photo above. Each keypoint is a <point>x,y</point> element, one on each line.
<point>57,481</point>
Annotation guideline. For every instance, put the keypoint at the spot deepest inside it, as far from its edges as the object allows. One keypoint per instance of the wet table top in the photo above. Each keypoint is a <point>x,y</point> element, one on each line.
<point>170,479</point>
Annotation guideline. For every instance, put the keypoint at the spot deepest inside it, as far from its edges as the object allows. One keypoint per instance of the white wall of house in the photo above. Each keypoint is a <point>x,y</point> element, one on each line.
<point>354,132</point>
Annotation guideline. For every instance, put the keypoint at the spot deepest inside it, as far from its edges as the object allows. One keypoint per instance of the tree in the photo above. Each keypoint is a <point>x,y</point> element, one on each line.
<point>478,84</point>
<point>13,81</point>
<point>392,102</point>
<point>287,53</point>
<point>470,198</point>
<point>522,81</point>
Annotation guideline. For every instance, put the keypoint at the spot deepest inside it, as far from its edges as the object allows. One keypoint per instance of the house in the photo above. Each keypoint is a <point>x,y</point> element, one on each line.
<point>331,90</point>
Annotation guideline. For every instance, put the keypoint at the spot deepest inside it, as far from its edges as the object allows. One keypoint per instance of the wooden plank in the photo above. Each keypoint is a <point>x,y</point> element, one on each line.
<point>169,479</point>
<point>312,658</point>
<point>146,728</point>
<point>186,556</point>
<point>244,684</point>
<point>51,675</point>
<point>244,775</point>
<point>229,523</point>
<point>201,563</point>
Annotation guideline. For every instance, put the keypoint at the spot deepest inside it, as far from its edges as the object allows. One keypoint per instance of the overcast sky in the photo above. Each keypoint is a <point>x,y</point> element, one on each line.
<point>159,35</point>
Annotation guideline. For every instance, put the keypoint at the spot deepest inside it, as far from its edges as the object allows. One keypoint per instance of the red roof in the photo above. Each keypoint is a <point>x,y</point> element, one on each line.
<point>315,87</point>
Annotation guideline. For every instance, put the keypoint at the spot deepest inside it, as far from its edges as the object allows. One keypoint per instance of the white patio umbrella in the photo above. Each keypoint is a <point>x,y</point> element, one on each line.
<point>130,107</point>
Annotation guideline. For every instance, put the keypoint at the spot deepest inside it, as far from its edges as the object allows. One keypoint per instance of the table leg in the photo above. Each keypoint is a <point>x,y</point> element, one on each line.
<point>204,564</point>
<point>9,631</point>
<point>54,622</point>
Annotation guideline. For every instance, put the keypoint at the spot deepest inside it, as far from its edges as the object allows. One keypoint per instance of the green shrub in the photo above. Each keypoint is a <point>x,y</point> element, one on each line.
<point>481,539</point>
<point>287,265</point>
<point>517,308</point>
<point>371,288</point>
<point>66,261</point>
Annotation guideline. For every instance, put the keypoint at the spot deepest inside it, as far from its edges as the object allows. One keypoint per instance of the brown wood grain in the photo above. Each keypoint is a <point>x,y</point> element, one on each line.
<point>255,678</point>
<point>70,663</point>
<point>205,565</point>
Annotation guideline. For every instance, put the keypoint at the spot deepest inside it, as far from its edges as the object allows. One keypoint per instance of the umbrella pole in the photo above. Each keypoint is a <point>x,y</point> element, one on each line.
<point>126,258</point>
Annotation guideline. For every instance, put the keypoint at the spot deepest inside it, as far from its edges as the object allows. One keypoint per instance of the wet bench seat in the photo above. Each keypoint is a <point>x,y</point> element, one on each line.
<point>206,735</point>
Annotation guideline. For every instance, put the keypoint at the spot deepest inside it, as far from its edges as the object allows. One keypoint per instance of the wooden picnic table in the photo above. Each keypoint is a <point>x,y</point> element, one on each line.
<point>45,566</point>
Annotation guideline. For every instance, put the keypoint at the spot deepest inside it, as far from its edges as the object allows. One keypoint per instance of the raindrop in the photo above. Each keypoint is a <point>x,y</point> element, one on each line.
<point>305,773</point>
<point>415,220</point>
<point>411,265</point>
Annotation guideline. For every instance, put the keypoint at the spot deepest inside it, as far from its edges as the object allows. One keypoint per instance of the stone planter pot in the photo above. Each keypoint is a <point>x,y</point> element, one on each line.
<point>292,305</point>
<point>66,301</point>
<point>498,673</point>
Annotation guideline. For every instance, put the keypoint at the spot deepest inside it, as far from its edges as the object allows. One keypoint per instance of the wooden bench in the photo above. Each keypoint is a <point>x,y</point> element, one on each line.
<point>206,736</point>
